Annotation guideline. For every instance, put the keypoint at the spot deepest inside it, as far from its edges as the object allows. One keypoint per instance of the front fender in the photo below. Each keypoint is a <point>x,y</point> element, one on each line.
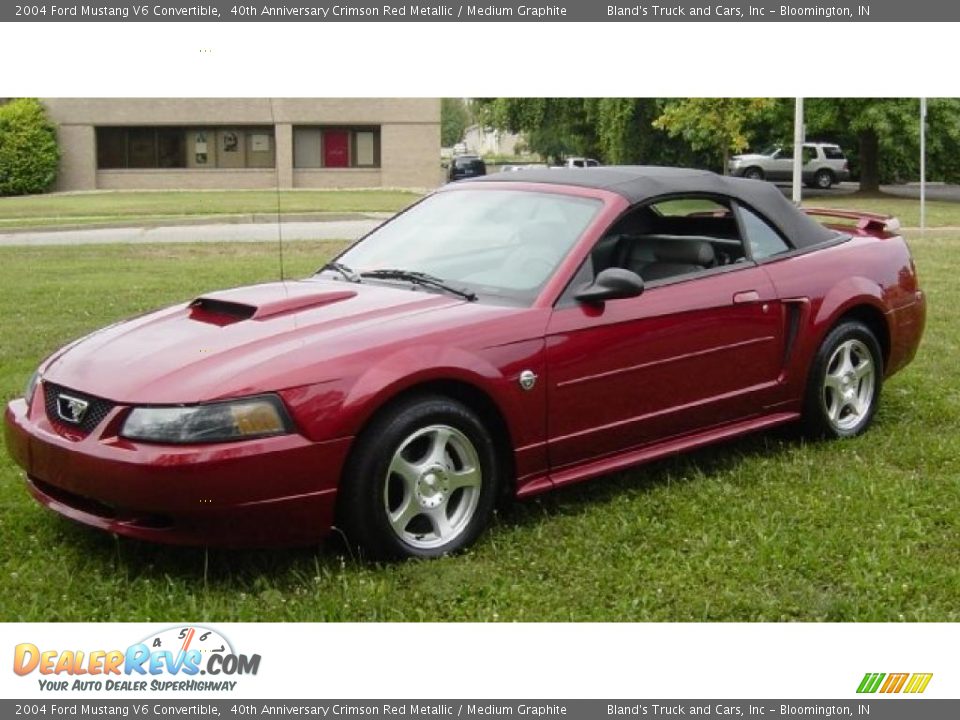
<point>341,408</point>
<point>412,366</point>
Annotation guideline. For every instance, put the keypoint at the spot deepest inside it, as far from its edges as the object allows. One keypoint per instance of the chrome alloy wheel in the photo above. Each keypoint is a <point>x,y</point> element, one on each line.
<point>848,385</point>
<point>432,486</point>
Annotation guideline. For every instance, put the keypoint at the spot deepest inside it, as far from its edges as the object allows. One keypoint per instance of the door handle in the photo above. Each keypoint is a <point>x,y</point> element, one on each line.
<point>746,296</point>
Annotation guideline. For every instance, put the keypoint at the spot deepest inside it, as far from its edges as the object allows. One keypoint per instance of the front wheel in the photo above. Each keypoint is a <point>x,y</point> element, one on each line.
<point>753,173</point>
<point>421,481</point>
<point>845,380</point>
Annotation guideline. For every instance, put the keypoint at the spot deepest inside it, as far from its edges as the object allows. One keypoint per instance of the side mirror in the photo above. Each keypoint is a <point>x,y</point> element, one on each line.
<point>611,284</point>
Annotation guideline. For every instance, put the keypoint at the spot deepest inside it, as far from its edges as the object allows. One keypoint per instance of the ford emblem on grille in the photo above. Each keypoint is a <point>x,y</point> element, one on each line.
<point>71,409</point>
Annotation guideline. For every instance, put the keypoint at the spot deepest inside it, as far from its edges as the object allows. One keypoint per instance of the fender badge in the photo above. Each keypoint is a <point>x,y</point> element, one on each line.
<point>527,379</point>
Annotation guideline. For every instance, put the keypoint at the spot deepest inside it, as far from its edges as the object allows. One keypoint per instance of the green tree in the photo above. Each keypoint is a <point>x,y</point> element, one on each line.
<point>879,135</point>
<point>555,127</point>
<point>883,136</point>
<point>613,130</point>
<point>717,126</point>
<point>29,155</point>
<point>454,120</point>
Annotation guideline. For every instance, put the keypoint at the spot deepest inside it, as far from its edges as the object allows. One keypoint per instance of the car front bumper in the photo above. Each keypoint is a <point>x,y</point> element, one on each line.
<point>257,493</point>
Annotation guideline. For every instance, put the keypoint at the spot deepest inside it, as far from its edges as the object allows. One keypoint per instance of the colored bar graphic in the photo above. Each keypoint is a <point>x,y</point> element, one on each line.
<point>895,683</point>
<point>918,682</point>
<point>870,683</point>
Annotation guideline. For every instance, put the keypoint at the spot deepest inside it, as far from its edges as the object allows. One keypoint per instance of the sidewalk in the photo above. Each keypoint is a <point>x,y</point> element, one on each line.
<point>217,232</point>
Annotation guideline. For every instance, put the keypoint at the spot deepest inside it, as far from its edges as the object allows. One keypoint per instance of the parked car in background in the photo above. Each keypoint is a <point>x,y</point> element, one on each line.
<point>824,165</point>
<point>502,337</point>
<point>580,162</point>
<point>466,166</point>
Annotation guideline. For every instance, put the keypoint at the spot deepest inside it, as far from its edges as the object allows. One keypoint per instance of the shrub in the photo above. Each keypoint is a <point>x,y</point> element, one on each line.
<point>29,154</point>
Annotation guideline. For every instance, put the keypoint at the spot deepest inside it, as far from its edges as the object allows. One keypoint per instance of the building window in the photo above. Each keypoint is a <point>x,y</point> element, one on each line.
<point>177,147</point>
<point>336,147</point>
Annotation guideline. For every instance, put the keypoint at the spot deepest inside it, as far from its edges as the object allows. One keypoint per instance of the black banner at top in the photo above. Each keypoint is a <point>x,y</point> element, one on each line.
<point>533,11</point>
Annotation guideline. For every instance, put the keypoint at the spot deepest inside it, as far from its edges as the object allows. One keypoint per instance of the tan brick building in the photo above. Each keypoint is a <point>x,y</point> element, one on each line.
<point>196,143</point>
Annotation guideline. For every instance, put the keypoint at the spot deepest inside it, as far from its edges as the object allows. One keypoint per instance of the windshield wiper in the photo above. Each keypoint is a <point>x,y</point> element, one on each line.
<point>418,278</point>
<point>349,274</point>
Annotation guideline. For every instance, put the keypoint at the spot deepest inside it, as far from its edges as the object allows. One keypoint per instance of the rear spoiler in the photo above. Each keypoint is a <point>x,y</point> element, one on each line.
<point>866,221</point>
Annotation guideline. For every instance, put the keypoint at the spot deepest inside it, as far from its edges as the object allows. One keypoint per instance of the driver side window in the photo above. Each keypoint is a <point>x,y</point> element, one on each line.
<point>671,239</point>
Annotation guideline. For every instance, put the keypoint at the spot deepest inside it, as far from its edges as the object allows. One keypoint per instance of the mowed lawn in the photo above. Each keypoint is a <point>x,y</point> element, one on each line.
<point>764,528</point>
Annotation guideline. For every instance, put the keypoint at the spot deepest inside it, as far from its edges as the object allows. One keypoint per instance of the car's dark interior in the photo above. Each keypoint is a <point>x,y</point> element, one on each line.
<point>657,246</point>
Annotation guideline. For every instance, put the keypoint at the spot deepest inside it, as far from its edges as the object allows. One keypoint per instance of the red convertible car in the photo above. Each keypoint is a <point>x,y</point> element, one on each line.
<point>504,336</point>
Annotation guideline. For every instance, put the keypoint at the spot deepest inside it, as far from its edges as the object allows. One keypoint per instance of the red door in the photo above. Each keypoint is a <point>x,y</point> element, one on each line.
<point>681,357</point>
<point>336,148</point>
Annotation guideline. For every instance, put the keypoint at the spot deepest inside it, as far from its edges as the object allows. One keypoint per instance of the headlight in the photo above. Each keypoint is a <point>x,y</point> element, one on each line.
<point>31,388</point>
<point>213,422</point>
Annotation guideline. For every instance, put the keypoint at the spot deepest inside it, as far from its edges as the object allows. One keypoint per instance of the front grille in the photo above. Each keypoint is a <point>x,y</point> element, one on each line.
<point>96,411</point>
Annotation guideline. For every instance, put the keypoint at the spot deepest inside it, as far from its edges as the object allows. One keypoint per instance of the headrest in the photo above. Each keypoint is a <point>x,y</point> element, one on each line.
<point>690,252</point>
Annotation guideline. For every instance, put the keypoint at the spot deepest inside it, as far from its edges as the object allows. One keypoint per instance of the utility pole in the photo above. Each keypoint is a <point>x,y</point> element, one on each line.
<point>798,138</point>
<point>923,165</point>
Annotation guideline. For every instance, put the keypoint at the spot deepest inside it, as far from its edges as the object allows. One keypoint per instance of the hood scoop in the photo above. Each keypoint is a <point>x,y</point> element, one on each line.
<point>219,312</point>
<point>258,303</point>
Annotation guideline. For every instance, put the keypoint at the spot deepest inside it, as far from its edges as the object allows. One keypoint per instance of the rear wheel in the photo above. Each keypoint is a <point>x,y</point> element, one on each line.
<point>823,179</point>
<point>845,380</point>
<point>421,481</point>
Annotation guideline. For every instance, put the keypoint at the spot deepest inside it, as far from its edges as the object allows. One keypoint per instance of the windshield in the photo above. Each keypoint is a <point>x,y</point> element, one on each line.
<point>504,243</point>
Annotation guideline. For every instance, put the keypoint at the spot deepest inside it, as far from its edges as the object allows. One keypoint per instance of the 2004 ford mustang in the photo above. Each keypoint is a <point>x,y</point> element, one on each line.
<point>503,336</point>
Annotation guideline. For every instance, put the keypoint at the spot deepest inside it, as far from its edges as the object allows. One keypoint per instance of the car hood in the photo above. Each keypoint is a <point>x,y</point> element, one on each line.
<point>240,341</point>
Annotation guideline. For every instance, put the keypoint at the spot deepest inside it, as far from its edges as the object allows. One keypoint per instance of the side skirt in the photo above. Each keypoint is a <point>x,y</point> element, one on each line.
<point>649,453</point>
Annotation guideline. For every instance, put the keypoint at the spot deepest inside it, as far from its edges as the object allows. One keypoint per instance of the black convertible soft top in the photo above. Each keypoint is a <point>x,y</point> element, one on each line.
<point>641,183</point>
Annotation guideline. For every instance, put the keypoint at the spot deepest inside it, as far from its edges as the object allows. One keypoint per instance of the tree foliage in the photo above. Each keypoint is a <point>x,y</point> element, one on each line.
<point>613,130</point>
<point>718,126</point>
<point>454,120</point>
<point>880,136</point>
<point>29,154</point>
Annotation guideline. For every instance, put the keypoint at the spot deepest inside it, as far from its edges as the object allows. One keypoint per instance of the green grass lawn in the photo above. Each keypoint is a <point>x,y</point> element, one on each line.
<point>127,207</point>
<point>940,213</point>
<point>764,528</point>
<point>84,209</point>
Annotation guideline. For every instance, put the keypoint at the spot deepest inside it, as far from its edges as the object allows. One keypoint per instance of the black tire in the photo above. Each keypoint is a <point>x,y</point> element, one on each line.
<point>852,414</point>
<point>753,173</point>
<point>369,488</point>
<point>823,179</point>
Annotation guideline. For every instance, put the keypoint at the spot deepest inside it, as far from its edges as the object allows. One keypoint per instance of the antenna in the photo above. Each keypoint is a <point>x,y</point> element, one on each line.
<point>276,184</point>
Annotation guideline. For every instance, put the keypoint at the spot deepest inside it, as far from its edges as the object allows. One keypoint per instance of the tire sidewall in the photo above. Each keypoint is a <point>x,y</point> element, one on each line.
<point>815,411</point>
<point>363,513</point>
<point>819,182</point>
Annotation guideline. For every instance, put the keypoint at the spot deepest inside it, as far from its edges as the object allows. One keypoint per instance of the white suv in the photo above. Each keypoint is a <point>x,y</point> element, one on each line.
<point>824,164</point>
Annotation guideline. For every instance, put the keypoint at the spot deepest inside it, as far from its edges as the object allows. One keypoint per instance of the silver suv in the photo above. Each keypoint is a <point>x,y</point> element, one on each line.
<point>824,165</point>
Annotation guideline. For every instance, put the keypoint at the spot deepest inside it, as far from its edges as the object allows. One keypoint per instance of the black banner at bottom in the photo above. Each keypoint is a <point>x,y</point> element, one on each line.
<point>875,708</point>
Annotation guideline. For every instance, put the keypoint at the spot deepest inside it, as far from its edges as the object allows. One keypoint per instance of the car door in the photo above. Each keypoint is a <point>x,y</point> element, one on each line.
<point>692,352</point>
<point>781,165</point>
